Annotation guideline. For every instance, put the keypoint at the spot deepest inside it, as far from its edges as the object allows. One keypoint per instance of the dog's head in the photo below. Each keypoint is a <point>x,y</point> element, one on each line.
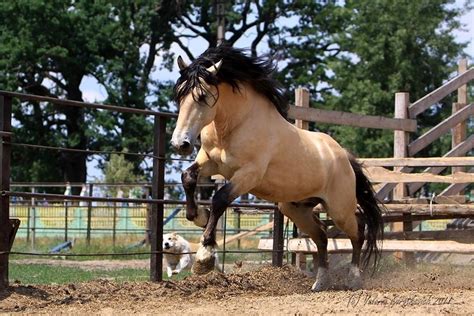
<point>169,241</point>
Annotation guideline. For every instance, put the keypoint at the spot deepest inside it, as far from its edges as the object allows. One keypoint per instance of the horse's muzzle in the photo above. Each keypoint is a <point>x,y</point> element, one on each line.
<point>183,148</point>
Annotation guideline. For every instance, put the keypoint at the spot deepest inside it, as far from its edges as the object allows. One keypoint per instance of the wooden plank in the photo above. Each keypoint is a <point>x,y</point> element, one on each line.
<point>450,199</point>
<point>379,174</point>
<point>391,217</point>
<point>302,100</point>
<point>422,209</point>
<point>438,94</point>
<point>245,234</point>
<point>351,119</point>
<point>458,133</point>
<point>433,209</point>
<point>417,162</point>
<point>455,188</point>
<point>306,245</point>
<point>459,150</point>
<point>451,234</point>
<point>440,129</point>
<point>462,90</point>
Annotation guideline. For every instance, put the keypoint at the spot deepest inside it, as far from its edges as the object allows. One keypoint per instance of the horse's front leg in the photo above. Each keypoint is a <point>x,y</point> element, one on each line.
<point>204,167</point>
<point>242,182</point>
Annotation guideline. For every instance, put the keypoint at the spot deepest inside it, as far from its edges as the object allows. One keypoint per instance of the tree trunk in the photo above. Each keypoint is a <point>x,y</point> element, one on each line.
<point>74,164</point>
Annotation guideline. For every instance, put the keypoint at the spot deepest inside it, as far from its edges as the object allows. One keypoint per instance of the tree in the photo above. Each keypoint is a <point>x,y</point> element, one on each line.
<point>49,47</point>
<point>252,21</point>
<point>392,46</point>
<point>119,171</point>
<point>39,55</point>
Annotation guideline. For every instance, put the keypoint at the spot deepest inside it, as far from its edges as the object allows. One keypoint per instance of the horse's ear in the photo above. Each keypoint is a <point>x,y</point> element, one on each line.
<point>181,64</point>
<point>215,68</point>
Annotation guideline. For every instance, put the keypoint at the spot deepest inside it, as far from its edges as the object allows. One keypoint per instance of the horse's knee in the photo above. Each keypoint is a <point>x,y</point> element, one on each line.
<point>189,178</point>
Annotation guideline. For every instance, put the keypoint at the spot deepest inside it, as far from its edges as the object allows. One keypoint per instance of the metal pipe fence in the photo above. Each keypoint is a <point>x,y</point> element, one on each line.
<point>67,221</point>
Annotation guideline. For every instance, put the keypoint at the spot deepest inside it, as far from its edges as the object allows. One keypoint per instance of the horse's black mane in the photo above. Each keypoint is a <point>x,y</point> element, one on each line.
<point>236,67</point>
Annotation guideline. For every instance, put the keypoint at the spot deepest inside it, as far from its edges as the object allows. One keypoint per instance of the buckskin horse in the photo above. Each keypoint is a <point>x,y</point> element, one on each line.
<point>231,100</point>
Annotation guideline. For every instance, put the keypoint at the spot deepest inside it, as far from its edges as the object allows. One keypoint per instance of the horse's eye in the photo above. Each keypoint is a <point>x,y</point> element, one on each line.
<point>202,98</point>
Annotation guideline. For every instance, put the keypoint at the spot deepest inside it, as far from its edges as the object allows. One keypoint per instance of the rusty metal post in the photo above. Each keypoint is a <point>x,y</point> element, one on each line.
<point>66,218</point>
<point>294,234</point>
<point>5,156</point>
<point>114,225</point>
<point>239,226</point>
<point>278,238</point>
<point>89,216</point>
<point>158,192</point>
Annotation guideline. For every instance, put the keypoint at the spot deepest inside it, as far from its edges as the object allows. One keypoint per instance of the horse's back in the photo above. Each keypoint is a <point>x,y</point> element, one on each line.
<point>304,164</point>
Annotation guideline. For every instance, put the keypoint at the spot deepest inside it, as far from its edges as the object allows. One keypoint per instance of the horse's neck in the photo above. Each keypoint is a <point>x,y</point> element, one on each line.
<point>232,109</point>
<point>237,110</point>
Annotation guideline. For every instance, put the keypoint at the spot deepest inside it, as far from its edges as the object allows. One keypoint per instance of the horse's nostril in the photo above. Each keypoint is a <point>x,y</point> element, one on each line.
<point>185,145</point>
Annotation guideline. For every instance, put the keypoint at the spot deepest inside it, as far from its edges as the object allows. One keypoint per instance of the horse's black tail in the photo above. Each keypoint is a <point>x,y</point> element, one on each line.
<point>371,213</point>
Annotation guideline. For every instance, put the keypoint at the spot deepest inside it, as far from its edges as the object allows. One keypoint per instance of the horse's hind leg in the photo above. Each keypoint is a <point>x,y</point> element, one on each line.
<point>353,226</point>
<point>302,215</point>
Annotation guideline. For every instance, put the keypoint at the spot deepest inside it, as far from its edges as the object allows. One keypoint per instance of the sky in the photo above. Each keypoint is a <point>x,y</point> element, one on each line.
<point>93,92</point>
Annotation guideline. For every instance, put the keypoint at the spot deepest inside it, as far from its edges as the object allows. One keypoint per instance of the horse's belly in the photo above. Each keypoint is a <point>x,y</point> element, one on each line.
<point>288,189</point>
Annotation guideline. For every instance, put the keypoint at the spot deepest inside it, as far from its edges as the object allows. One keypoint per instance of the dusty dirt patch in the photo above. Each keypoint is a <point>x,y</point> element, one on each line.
<point>265,291</point>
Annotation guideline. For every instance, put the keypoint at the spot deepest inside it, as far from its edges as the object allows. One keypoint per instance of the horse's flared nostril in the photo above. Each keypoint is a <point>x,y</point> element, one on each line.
<point>185,146</point>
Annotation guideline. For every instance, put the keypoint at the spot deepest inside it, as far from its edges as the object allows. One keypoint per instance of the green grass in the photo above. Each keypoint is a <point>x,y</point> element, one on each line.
<point>104,245</point>
<point>46,274</point>
<point>97,246</point>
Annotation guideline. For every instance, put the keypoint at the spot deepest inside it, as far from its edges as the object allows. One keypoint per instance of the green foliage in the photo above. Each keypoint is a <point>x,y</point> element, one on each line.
<point>392,46</point>
<point>50,47</point>
<point>119,170</point>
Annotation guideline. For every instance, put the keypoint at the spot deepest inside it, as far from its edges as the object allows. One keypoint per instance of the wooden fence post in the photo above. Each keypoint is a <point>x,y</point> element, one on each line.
<point>158,192</point>
<point>400,140</point>
<point>400,150</point>
<point>5,156</point>
<point>301,100</point>
<point>458,133</point>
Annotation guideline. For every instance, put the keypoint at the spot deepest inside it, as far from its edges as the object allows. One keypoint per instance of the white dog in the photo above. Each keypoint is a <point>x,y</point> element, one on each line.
<point>177,255</point>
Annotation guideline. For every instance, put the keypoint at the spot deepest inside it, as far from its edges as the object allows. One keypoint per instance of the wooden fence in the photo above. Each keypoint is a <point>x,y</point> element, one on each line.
<point>398,184</point>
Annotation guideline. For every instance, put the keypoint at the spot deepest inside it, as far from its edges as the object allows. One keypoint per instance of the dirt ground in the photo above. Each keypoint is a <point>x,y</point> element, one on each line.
<point>267,291</point>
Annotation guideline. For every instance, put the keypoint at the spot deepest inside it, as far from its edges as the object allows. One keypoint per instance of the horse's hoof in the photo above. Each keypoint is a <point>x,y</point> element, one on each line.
<point>354,283</point>
<point>323,281</point>
<point>205,260</point>
<point>354,280</point>
<point>202,217</point>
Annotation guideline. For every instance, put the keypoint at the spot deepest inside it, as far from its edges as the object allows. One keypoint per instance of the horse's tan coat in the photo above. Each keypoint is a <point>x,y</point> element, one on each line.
<point>252,145</point>
<point>246,140</point>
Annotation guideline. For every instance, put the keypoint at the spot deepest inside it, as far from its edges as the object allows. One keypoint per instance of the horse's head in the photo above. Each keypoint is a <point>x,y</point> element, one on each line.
<point>196,94</point>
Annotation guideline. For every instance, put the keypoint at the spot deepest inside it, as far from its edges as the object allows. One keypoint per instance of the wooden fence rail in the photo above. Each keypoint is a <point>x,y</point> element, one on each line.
<point>438,94</point>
